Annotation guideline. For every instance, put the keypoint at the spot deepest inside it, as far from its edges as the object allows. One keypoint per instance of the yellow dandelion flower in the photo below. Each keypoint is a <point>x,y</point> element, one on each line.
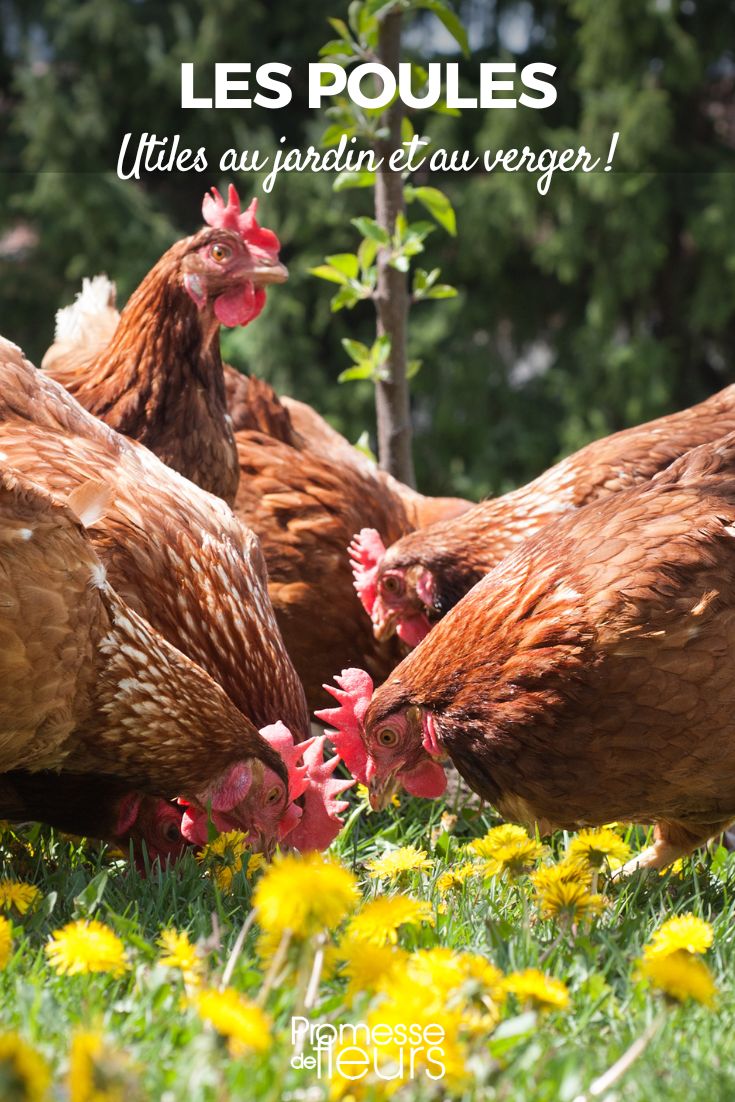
<point>405,1001</point>
<point>445,972</point>
<point>539,991</point>
<point>563,892</point>
<point>178,952</point>
<point>367,966</point>
<point>676,868</point>
<point>86,1047</point>
<point>596,848</point>
<point>454,879</point>
<point>480,1022</point>
<point>304,895</point>
<point>6,941</point>
<point>397,861</point>
<point>245,1025</point>
<point>86,946</point>
<point>507,849</point>
<point>98,1073</point>
<point>687,932</point>
<point>502,835</point>
<point>22,897</point>
<point>223,875</point>
<point>680,975</point>
<point>379,921</point>
<point>23,1072</point>
<point>223,857</point>
<point>256,862</point>
<point>231,844</point>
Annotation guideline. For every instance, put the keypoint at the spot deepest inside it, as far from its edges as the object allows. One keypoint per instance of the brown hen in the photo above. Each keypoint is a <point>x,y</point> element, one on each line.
<point>303,496</point>
<point>307,525</point>
<point>420,578</point>
<point>87,686</point>
<point>96,807</point>
<point>588,678</point>
<point>157,377</point>
<point>180,558</point>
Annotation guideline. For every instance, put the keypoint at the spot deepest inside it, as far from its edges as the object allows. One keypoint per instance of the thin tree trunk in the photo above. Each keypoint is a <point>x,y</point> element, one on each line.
<point>392,301</point>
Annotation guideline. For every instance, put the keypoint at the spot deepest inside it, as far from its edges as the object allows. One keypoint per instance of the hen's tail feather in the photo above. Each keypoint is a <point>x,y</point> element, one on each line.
<point>98,295</point>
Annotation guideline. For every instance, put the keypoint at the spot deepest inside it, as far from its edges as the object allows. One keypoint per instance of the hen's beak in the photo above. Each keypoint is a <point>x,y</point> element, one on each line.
<point>384,621</point>
<point>266,844</point>
<point>260,841</point>
<point>263,270</point>
<point>381,791</point>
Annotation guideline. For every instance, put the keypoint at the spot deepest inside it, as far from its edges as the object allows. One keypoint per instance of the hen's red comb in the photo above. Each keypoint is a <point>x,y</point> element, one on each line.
<point>320,823</point>
<point>281,739</point>
<point>231,217</point>
<point>353,695</point>
<point>316,825</point>
<point>366,552</point>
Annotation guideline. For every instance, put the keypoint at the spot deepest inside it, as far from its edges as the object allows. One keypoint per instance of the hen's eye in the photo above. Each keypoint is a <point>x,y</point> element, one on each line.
<point>393,584</point>
<point>220,253</point>
<point>172,833</point>
<point>274,795</point>
<point>387,737</point>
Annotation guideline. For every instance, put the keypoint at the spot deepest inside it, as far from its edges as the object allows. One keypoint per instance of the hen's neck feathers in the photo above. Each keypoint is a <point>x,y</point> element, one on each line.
<point>160,380</point>
<point>517,626</point>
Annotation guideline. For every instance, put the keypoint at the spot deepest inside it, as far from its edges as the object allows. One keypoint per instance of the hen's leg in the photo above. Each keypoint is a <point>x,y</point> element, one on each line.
<point>673,840</point>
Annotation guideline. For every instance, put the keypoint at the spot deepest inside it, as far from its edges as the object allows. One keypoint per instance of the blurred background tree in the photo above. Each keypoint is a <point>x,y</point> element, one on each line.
<point>608,301</point>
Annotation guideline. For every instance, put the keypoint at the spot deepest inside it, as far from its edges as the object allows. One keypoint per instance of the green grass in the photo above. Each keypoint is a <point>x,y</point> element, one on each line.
<point>554,1056</point>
